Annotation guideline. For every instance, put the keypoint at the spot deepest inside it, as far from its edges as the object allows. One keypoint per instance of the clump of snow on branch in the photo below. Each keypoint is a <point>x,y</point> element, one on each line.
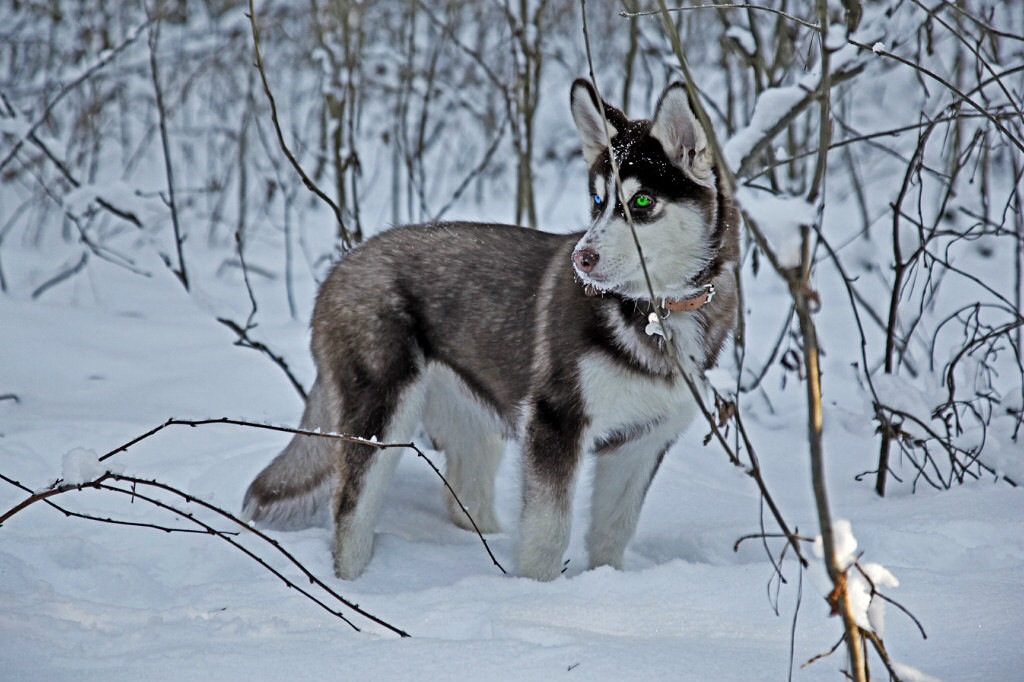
<point>82,465</point>
<point>780,218</point>
<point>744,38</point>
<point>771,107</point>
<point>861,593</point>
<point>845,544</point>
<point>861,580</point>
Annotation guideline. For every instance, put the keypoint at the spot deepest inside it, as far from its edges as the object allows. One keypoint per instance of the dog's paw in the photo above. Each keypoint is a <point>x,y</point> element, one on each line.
<point>351,552</point>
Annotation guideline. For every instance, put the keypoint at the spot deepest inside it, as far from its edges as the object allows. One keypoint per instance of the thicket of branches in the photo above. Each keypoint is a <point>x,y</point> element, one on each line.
<point>890,137</point>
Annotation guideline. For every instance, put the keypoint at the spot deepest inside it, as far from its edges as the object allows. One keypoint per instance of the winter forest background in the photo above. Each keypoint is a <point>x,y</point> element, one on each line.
<point>176,180</point>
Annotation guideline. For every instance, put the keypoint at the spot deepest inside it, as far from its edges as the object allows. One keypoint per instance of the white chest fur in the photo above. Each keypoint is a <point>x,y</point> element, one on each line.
<point>619,400</point>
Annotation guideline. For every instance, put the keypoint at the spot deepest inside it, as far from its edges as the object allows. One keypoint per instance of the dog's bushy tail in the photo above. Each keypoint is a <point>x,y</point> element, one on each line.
<point>294,490</point>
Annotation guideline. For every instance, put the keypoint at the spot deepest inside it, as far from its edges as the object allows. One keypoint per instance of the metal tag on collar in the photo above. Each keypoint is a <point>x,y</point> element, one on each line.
<point>711,292</point>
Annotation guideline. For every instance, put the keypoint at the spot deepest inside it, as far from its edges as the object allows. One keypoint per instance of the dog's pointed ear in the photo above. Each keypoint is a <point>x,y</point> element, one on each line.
<point>586,111</point>
<point>681,134</point>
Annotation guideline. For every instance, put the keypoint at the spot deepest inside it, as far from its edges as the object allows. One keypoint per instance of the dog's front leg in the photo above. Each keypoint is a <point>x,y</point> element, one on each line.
<point>621,481</point>
<point>551,453</point>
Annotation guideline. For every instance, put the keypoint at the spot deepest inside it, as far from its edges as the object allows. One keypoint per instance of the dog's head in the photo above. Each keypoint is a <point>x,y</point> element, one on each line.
<point>669,185</point>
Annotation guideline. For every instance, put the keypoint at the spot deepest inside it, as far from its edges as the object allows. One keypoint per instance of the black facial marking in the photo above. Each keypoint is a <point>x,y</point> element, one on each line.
<point>642,158</point>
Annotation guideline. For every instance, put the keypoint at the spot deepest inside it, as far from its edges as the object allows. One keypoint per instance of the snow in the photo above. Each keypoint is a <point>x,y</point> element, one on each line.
<point>780,218</point>
<point>744,38</point>
<point>772,105</point>
<point>844,544</point>
<point>91,601</point>
<point>119,194</point>
<point>835,37</point>
<point>868,611</point>
<point>81,466</point>
<point>880,577</point>
<point>910,674</point>
<point>14,126</point>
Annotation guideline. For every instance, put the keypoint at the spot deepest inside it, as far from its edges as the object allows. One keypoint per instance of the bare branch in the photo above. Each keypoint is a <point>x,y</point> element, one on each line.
<point>161,109</point>
<point>135,492</point>
<point>751,7</point>
<point>105,58</point>
<point>961,96</point>
<point>312,434</point>
<point>306,180</point>
<point>65,274</point>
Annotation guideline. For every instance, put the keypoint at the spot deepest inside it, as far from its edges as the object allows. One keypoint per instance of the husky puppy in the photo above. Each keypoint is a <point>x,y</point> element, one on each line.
<point>567,343</point>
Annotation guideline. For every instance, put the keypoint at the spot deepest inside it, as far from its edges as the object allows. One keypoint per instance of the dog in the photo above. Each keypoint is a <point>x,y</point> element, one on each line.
<point>571,344</point>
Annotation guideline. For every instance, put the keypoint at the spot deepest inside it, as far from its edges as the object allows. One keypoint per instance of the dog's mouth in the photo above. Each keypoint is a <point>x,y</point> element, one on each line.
<point>594,284</point>
<point>597,283</point>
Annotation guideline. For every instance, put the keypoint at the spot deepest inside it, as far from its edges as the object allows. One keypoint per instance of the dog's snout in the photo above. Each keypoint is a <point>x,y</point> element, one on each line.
<point>585,259</point>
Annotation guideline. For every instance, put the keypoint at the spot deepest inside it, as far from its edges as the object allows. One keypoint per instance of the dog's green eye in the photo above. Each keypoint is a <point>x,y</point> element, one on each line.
<point>643,201</point>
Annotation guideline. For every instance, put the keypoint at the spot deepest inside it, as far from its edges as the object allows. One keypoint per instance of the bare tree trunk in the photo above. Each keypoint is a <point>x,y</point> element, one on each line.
<point>527,29</point>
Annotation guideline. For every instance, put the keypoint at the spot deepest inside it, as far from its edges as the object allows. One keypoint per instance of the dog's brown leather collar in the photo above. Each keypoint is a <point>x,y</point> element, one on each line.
<point>689,304</point>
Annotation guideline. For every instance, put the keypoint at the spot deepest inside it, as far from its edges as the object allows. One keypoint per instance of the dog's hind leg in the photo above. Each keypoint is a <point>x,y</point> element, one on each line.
<point>621,480</point>
<point>365,472</point>
<point>471,438</point>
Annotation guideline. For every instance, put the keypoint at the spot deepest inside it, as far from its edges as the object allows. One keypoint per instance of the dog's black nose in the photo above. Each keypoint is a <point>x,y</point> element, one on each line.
<point>585,259</point>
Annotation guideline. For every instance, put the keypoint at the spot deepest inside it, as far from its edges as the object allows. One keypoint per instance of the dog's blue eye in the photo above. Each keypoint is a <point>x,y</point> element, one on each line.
<point>597,200</point>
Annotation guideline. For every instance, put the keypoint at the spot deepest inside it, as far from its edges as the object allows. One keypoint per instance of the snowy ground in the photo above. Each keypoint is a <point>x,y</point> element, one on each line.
<point>109,355</point>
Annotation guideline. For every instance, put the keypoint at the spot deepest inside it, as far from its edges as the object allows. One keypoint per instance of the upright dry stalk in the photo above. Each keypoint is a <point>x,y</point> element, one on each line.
<point>1018,265</point>
<point>161,109</point>
<point>343,103</point>
<point>899,270</point>
<point>346,237</point>
<point>805,301</point>
<point>840,599</point>
<point>527,30</point>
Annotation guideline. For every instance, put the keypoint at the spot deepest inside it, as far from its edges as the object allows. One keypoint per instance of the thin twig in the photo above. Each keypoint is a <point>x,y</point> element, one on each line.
<point>245,341</point>
<point>179,238</point>
<point>105,58</point>
<point>876,641</point>
<point>981,109</point>
<point>806,304</point>
<point>901,607</point>
<point>312,186</point>
<point>101,519</point>
<point>758,8</point>
<point>754,470</point>
<point>136,494</point>
<point>312,434</point>
<point>485,161</point>
<point>824,654</point>
<point>762,536</point>
<point>61,276</point>
<point>726,177</point>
